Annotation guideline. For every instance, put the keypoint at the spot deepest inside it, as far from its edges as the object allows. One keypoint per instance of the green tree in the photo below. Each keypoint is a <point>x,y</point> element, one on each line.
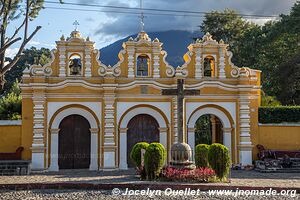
<point>272,48</point>
<point>23,11</point>
<point>230,27</point>
<point>11,104</point>
<point>269,100</point>
<point>30,56</point>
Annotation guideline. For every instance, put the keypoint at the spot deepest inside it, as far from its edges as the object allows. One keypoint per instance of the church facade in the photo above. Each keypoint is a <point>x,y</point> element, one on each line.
<point>80,113</point>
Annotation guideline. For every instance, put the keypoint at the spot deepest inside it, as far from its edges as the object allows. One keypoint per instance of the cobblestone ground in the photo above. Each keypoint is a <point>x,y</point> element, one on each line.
<point>238,178</point>
<point>107,195</point>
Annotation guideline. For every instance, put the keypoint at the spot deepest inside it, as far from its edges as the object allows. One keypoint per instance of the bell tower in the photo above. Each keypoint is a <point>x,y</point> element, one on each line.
<point>74,54</point>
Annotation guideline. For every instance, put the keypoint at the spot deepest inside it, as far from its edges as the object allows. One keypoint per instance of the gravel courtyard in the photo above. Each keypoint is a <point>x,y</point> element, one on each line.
<point>106,195</point>
<point>238,178</point>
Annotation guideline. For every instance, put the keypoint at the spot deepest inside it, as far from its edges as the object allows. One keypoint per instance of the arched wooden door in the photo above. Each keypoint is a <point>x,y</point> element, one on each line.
<point>141,128</point>
<point>74,143</point>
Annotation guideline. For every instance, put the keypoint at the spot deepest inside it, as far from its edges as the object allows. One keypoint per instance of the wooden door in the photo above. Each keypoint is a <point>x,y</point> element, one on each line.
<point>141,128</point>
<point>74,143</point>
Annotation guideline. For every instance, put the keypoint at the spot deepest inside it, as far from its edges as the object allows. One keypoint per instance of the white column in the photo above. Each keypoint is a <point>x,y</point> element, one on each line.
<point>131,72</point>
<point>191,137</point>
<point>62,61</point>
<point>227,140</point>
<point>156,66</point>
<point>198,64</point>
<point>163,137</point>
<point>54,150</point>
<point>38,146</point>
<point>94,149</point>
<point>88,71</point>
<point>245,144</point>
<point>123,148</point>
<point>109,148</point>
<point>222,63</point>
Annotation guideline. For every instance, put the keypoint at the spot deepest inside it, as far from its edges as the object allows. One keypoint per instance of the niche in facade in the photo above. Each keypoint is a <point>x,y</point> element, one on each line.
<point>75,65</point>
<point>142,65</point>
<point>209,66</point>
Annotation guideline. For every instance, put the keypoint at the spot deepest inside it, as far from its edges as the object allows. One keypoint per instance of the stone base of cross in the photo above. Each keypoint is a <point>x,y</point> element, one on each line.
<point>181,152</point>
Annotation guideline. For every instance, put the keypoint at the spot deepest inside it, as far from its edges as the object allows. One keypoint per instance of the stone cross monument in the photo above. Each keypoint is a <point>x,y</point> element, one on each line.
<point>181,151</point>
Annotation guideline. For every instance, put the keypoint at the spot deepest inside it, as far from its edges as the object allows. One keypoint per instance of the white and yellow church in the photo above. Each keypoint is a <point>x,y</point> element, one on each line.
<point>80,113</point>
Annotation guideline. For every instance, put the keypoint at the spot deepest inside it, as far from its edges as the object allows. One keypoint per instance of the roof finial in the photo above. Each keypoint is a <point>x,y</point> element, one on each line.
<point>76,23</point>
<point>142,16</point>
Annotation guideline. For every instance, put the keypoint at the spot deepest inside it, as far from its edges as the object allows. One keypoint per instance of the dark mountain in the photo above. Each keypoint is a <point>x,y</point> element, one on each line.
<point>174,42</point>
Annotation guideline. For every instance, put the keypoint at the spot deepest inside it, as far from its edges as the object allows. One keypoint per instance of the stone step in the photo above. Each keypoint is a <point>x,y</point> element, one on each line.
<point>14,167</point>
<point>281,170</point>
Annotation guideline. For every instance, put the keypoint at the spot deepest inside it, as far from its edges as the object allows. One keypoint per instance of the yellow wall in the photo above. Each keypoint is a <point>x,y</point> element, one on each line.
<point>281,137</point>
<point>10,138</point>
<point>27,127</point>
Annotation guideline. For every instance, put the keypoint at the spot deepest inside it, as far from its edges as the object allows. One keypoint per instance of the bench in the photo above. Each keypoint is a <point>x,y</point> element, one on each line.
<point>12,156</point>
<point>276,154</point>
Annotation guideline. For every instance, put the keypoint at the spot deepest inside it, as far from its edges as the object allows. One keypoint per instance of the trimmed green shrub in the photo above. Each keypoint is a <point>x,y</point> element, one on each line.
<point>155,157</point>
<point>279,114</point>
<point>219,159</point>
<point>201,155</point>
<point>135,153</point>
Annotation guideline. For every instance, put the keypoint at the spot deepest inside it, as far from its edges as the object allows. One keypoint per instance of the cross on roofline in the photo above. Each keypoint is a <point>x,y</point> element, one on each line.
<point>76,23</point>
<point>142,24</point>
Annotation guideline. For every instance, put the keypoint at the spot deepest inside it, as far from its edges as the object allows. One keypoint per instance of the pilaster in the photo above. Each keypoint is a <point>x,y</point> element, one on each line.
<point>222,63</point>
<point>38,144</point>
<point>130,51</point>
<point>198,64</point>
<point>54,150</point>
<point>123,148</point>
<point>87,65</point>
<point>94,149</point>
<point>156,73</point>
<point>62,61</point>
<point>109,139</point>
<point>191,138</point>
<point>245,144</point>
<point>227,139</point>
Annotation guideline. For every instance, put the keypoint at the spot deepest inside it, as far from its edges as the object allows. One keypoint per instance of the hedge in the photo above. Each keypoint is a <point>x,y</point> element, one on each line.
<point>201,155</point>
<point>135,153</point>
<point>155,157</point>
<point>278,114</point>
<point>219,160</point>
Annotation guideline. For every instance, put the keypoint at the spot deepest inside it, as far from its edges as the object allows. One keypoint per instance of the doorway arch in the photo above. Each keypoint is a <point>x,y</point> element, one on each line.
<point>55,130</point>
<point>225,119</point>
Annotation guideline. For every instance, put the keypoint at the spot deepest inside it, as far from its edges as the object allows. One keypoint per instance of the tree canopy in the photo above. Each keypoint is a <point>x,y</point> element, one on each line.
<point>273,48</point>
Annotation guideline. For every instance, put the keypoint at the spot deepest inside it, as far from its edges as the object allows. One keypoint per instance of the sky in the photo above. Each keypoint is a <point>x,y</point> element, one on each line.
<point>106,25</point>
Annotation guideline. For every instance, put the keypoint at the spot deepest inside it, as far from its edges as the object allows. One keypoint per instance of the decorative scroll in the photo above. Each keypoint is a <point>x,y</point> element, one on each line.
<point>109,70</point>
<point>170,71</point>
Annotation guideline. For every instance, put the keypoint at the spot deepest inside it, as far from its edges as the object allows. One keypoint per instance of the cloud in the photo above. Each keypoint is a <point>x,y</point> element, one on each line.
<point>11,52</point>
<point>121,25</point>
<point>39,44</point>
<point>34,43</point>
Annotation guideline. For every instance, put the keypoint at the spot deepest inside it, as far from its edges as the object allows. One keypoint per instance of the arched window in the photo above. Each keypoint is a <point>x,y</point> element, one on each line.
<point>209,66</point>
<point>142,66</point>
<point>75,65</point>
